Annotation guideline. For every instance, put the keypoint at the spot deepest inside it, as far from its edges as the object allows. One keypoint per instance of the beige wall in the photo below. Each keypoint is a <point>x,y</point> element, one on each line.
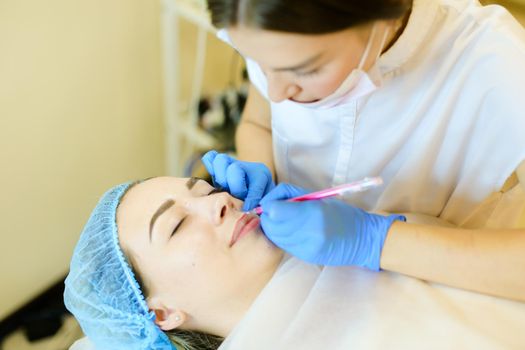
<point>516,7</point>
<point>80,110</point>
<point>222,65</point>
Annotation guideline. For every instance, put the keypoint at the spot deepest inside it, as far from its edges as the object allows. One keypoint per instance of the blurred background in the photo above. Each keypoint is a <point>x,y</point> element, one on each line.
<point>95,93</point>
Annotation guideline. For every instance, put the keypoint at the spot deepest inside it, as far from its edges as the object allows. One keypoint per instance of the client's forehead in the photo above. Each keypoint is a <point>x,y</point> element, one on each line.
<point>154,187</point>
<point>166,185</point>
<point>145,197</point>
<point>139,204</point>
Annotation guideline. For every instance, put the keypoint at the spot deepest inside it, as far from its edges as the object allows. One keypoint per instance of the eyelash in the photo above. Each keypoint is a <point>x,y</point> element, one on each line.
<point>177,227</point>
<point>216,190</point>
<point>213,191</point>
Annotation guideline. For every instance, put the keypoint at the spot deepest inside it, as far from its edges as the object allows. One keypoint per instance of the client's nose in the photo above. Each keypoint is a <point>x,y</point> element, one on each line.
<point>223,204</point>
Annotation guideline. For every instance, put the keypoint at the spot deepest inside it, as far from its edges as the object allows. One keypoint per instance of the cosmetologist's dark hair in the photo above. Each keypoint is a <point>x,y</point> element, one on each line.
<point>303,16</point>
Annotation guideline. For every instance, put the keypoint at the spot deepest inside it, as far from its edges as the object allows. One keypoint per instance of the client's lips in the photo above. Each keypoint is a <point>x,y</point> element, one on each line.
<point>246,223</point>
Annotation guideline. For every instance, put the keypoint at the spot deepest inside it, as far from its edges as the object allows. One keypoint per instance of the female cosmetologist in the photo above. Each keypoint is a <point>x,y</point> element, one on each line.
<point>426,94</point>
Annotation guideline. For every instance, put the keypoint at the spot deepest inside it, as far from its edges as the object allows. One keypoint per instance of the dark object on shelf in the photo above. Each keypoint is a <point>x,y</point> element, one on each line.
<point>40,318</point>
<point>219,115</point>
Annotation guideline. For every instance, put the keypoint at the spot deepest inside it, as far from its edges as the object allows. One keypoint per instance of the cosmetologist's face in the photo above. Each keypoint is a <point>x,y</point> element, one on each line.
<point>303,68</point>
<point>193,246</point>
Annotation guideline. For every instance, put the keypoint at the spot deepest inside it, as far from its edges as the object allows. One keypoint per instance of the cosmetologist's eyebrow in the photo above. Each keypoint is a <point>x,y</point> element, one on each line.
<point>165,206</point>
<point>302,65</point>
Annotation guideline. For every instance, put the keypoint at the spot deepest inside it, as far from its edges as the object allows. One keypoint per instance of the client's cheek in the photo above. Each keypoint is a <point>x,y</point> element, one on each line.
<point>189,262</point>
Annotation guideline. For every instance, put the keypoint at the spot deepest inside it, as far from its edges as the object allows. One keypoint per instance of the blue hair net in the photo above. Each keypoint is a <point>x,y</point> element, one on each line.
<point>101,290</point>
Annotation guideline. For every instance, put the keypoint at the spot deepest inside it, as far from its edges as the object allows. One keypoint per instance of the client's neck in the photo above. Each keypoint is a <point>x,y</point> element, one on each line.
<point>231,311</point>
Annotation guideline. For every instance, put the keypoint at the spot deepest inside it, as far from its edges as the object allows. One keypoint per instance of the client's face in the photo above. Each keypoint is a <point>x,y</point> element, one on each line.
<point>194,248</point>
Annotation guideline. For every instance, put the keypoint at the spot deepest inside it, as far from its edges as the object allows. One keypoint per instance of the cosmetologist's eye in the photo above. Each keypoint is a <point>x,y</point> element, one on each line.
<point>307,74</point>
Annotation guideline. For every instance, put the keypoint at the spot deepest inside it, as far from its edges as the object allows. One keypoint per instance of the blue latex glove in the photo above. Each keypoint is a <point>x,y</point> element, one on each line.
<point>247,181</point>
<point>324,232</point>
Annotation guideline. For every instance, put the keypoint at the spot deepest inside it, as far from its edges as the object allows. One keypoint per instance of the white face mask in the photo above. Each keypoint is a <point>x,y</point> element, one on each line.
<point>357,84</point>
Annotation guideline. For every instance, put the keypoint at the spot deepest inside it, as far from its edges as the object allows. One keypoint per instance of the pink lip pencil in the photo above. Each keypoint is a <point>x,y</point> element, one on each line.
<point>356,186</point>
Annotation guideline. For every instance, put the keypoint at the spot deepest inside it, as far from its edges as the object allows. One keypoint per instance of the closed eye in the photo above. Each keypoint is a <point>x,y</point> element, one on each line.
<point>307,74</point>
<point>216,190</point>
<point>177,227</point>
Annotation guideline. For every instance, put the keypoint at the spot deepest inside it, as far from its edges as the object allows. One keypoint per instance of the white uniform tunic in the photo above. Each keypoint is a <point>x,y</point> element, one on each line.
<point>339,308</point>
<point>444,131</point>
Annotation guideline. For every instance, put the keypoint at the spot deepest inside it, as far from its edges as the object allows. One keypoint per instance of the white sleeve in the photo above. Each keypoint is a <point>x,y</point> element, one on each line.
<point>502,209</point>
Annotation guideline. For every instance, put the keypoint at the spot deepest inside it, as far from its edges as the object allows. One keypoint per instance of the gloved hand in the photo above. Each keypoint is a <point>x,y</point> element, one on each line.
<point>247,181</point>
<point>324,232</point>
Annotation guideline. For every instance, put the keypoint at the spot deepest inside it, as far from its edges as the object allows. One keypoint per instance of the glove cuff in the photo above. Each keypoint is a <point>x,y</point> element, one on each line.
<point>383,225</point>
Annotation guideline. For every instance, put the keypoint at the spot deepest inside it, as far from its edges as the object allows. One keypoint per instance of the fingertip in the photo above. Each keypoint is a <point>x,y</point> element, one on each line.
<point>224,156</point>
<point>275,210</point>
<point>211,153</point>
<point>264,200</point>
<point>207,160</point>
<point>277,193</point>
<point>220,167</point>
<point>209,156</point>
<point>236,180</point>
<point>248,205</point>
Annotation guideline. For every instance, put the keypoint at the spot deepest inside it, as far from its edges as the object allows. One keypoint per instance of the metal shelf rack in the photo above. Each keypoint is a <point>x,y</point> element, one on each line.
<point>182,134</point>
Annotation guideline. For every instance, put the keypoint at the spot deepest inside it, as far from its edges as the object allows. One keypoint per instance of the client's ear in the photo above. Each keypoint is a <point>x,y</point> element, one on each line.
<point>166,318</point>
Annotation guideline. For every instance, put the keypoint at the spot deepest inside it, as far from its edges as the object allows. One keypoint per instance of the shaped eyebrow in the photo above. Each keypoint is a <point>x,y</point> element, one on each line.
<point>164,206</point>
<point>169,203</point>
<point>192,181</point>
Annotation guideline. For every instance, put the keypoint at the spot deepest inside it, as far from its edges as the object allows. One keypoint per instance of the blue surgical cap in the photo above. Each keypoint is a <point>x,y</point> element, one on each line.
<point>101,290</point>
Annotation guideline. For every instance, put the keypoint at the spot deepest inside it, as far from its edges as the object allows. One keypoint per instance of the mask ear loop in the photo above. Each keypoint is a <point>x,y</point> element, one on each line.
<point>383,41</point>
<point>369,45</point>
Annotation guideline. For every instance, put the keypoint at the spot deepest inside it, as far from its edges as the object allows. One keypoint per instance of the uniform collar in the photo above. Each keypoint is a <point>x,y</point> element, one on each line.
<point>418,27</point>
